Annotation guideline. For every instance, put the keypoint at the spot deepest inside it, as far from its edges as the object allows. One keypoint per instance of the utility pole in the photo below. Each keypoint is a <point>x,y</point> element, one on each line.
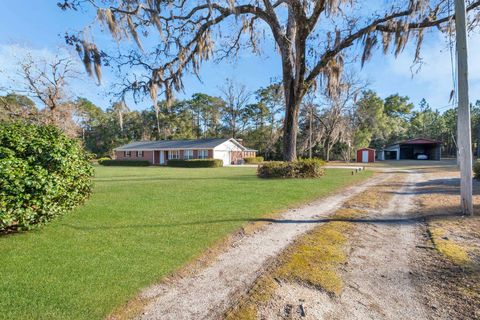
<point>464,125</point>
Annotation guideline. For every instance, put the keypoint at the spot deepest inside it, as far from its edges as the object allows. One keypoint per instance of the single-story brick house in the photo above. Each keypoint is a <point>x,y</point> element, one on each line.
<point>159,152</point>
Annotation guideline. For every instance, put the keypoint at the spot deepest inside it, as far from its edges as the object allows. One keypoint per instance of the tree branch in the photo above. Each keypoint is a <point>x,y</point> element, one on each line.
<point>376,25</point>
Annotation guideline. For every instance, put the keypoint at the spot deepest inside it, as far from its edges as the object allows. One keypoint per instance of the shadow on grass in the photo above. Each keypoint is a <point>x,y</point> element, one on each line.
<point>434,186</point>
<point>445,186</point>
<point>389,220</point>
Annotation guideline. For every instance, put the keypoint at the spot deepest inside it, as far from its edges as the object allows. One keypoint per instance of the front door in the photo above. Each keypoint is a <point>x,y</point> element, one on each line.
<point>364,156</point>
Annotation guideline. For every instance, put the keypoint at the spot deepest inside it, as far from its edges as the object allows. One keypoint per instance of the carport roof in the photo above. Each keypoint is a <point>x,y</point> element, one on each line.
<point>420,141</point>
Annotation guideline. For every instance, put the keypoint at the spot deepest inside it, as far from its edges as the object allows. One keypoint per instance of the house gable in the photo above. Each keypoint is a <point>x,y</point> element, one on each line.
<point>229,145</point>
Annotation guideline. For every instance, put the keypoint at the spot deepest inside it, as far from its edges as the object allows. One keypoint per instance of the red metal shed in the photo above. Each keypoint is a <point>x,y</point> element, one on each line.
<point>366,155</point>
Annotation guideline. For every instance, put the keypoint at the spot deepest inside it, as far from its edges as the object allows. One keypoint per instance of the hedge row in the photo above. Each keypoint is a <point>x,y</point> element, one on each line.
<point>305,168</point>
<point>43,174</point>
<point>196,163</point>
<point>253,160</point>
<point>125,163</point>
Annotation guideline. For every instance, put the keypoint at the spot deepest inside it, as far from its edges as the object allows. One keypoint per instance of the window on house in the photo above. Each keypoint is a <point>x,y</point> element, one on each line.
<point>139,154</point>
<point>187,154</point>
<point>174,154</point>
<point>127,154</point>
<point>202,154</point>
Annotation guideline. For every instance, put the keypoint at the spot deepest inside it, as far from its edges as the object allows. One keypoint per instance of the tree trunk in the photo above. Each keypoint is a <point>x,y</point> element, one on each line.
<point>326,149</point>
<point>199,130</point>
<point>157,116</point>
<point>327,157</point>
<point>290,129</point>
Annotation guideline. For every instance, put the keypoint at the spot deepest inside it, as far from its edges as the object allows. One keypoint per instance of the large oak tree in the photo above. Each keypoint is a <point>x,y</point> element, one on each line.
<point>311,37</point>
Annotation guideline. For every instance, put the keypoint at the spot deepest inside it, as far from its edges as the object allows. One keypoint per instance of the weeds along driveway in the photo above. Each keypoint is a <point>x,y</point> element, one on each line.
<point>207,293</point>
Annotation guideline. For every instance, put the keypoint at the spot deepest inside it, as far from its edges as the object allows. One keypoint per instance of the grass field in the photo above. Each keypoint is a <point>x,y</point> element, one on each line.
<point>140,225</point>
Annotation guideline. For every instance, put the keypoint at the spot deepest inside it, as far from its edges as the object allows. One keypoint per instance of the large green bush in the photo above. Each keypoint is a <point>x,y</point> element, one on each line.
<point>304,168</point>
<point>125,163</point>
<point>476,169</point>
<point>43,174</point>
<point>253,160</point>
<point>196,163</point>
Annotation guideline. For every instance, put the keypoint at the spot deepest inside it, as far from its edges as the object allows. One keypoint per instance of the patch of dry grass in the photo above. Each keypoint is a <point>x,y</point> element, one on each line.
<point>451,250</point>
<point>373,199</point>
<point>454,236</point>
<point>313,260</point>
<point>456,239</point>
<point>261,292</point>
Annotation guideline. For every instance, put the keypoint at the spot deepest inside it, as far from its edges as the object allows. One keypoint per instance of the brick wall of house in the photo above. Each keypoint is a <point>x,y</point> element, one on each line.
<point>147,155</point>
<point>249,154</point>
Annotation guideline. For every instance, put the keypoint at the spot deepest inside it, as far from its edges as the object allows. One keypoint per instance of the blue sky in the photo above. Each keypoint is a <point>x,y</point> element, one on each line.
<point>38,27</point>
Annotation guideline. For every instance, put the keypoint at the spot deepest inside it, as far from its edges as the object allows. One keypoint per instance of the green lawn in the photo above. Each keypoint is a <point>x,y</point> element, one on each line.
<point>140,225</point>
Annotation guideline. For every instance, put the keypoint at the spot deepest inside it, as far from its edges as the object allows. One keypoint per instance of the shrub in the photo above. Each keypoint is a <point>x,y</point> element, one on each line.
<point>43,174</point>
<point>253,160</point>
<point>125,163</point>
<point>304,168</point>
<point>196,163</point>
<point>476,170</point>
<point>100,160</point>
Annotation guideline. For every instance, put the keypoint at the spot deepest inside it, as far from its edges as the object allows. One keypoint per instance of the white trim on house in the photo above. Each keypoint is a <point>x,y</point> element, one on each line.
<point>236,143</point>
<point>228,146</point>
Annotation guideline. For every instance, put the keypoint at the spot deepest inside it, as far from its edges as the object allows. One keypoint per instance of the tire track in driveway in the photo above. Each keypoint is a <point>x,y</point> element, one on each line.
<point>379,269</point>
<point>378,273</point>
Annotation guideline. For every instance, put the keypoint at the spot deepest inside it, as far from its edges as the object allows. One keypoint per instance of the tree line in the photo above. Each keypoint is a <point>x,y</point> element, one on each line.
<point>331,129</point>
<point>314,41</point>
